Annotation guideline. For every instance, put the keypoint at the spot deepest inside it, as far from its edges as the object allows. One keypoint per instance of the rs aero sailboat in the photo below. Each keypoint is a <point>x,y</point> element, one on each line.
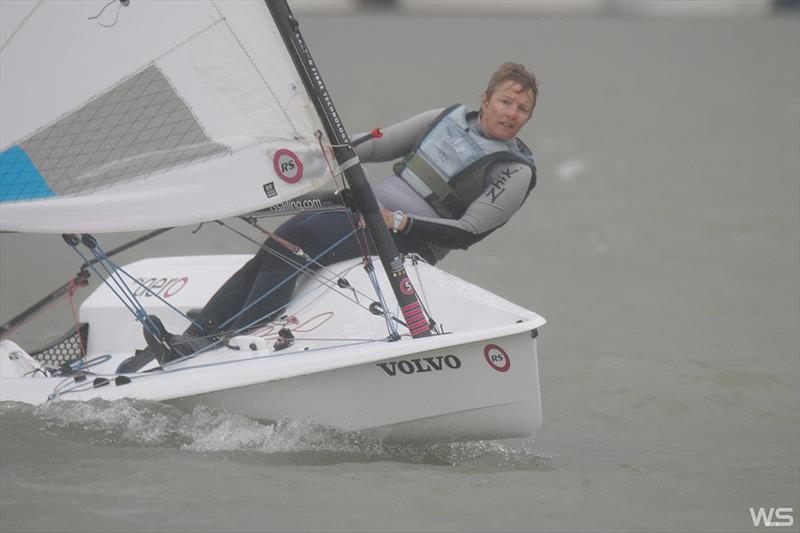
<point>221,113</point>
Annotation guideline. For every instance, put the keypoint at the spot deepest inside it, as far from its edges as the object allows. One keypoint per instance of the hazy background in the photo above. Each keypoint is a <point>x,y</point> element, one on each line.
<point>661,243</point>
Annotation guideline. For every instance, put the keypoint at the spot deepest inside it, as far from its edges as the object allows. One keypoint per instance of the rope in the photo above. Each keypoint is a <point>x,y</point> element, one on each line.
<point>389,324</point>
<point>73,288</point>
<point>333,284</point>
<point>63,387</point>
<point>116,18</point>
<point>127,304</point>
<point>162,300</point>
<point>276,287</point>
<point>132,304</point>
<point>23,322</point>
<point>318,135</point>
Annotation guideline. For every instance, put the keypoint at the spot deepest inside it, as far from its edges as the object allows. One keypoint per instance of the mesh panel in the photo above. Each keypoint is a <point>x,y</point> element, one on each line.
<point>137,128</point>
<point>64,350</point>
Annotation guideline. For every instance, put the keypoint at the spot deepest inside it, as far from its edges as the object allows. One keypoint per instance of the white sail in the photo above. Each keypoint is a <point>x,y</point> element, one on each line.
<point>120,116</point>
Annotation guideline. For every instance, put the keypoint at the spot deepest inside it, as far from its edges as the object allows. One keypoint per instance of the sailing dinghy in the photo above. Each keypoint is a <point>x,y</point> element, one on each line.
<point>221,112</point>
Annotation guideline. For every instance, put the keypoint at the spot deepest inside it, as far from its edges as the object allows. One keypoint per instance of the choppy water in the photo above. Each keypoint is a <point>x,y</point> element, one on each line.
<point>661,243</point>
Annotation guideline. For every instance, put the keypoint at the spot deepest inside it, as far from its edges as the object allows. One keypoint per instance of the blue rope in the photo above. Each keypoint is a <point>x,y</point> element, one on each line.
<point>283,282</point>
<point>135,307</point>
<point>128,305</point>
<point>162,300</point>
<point>132,304</point>
<point>389,323</point>
<point>140,313</point>
<point>112,274</point>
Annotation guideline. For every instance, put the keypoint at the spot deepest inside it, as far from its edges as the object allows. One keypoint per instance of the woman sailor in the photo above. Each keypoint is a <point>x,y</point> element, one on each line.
<point>463,174</point>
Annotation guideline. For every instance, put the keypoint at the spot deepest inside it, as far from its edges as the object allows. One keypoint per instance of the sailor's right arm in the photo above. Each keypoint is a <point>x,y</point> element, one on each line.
<point>397,140</point>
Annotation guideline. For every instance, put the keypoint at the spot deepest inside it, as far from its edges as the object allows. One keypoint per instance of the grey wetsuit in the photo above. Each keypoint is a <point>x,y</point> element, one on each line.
<point>507,184</point>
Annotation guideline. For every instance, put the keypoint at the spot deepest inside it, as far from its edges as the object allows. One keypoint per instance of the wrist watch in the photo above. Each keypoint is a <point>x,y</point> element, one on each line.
<point>397,221</point>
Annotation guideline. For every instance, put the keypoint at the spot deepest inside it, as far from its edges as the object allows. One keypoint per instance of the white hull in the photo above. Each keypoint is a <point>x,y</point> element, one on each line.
<point>478,381</point>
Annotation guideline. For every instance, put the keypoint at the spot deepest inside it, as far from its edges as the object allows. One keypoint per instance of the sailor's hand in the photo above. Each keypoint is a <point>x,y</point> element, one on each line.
<point>394,220</point>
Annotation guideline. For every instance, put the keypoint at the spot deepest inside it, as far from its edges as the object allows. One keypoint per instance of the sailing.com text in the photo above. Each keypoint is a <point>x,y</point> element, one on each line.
<point>298,205</point>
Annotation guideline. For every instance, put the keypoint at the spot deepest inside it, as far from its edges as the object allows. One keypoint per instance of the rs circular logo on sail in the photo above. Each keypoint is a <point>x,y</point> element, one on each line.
<point>288,165</point>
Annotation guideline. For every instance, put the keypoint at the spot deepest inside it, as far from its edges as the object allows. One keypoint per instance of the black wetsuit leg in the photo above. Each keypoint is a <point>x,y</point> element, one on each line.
<point>244,293</point>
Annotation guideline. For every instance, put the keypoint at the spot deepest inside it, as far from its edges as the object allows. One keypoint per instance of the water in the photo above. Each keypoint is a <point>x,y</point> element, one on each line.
<point>661,243</point>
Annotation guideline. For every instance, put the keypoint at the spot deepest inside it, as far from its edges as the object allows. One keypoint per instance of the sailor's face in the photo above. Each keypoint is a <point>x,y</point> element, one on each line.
<point>506,111</point>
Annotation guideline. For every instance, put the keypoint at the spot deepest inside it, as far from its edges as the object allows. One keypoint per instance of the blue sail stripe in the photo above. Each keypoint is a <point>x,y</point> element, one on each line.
<point>19,177</point>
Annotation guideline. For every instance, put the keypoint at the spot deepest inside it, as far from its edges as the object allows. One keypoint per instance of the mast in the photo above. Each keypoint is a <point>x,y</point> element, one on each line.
<point>363,197</point>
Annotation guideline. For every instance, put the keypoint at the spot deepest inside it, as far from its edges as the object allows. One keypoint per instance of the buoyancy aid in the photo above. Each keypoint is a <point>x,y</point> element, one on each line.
<point>448,165</point>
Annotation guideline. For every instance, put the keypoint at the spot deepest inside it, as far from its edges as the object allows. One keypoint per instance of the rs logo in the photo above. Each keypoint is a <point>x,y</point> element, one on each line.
<point>287,166</point>
<point>497,357</point>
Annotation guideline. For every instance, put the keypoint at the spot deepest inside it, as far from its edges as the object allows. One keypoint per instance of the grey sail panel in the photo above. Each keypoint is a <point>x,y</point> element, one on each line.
<point>137,128</point>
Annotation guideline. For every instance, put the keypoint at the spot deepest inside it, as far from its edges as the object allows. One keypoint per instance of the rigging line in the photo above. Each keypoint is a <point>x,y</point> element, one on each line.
<point>101,11</point>
<point>318,134</point>
<point>343,185</point>
<point>122,3</point>
<point>326,282</point>
<point>21,24</point>
<point>189,357</point>
<point>370,269</point>
<point>132,304</point>
<point>118,281</point>
<point>9,328</point>
<point>386,314</point>
<point>258,357</point>
<point>275,253</point>
<point>280,240</point>
<point>296,264</point>
<point>80,280</point>
<point>314,339</point>
<point>342,274</point>
<point>135,242</point>
<point>127,305</point>
<point>300,297</point>
<point>73,288</point>
<point>151,293</point>
<point>286,244</point>
<point>117,269</point>
<point>273,289</point>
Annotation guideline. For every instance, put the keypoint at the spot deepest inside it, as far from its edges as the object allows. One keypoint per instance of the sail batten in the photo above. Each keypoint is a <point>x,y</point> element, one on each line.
<point>136,120</point>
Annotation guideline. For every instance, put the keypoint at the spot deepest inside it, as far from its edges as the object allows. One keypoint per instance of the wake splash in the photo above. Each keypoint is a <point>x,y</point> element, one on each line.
<point>290,441</point>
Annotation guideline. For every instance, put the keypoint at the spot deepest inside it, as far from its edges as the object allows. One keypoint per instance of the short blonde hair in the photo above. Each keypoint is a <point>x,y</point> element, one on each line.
<point>516,73</point>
